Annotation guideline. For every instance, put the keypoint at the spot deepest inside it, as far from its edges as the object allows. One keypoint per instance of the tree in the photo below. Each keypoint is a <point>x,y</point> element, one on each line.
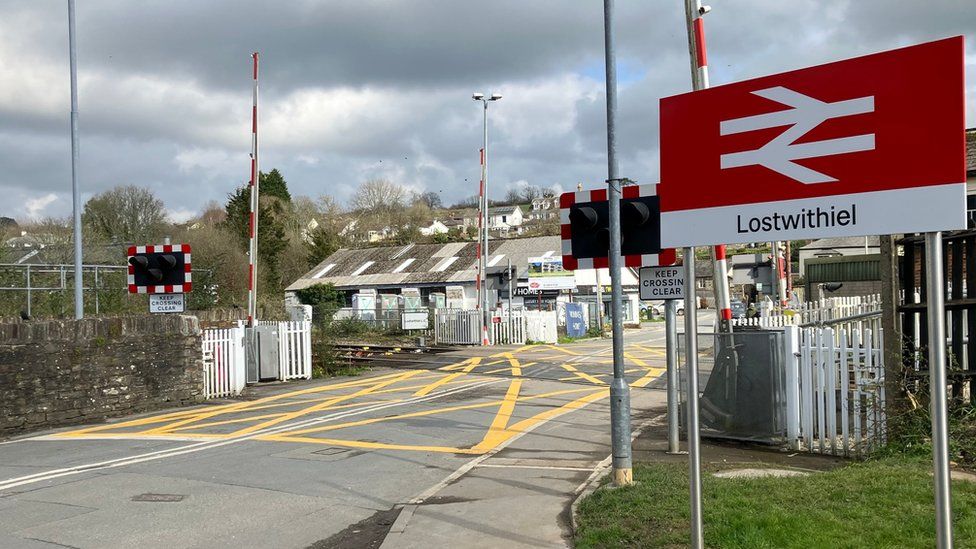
<point>324,243</point>
<point>125,215</point>
<point>274,211</point>
<point>273,184</point>
<point>379,195</point>
<point>431,199</point>
<point>469,202</point>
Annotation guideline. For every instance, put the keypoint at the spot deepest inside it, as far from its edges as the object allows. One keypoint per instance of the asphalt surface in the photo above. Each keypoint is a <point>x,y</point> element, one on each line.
<point>481,447</point>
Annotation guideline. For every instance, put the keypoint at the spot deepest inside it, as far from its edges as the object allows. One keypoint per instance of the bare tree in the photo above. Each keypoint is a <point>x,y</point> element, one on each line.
<point>431,199</point>
<point>379,195</point>
<point>125,214</point>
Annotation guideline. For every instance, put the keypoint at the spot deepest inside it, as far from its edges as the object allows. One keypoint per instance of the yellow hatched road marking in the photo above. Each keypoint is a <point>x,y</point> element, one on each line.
<point>325,404</point>
<point>245,405</point>
<point>446,379</point>
<point>635,360</point>
<point>497,428</point>
<point>582,375</point>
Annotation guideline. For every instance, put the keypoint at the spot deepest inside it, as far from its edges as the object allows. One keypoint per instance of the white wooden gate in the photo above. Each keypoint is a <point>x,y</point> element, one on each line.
<point>295,350</point>
<point>541,326</point>
<point>457,327</point>
<point>509,330</point>
<point>223,362</point>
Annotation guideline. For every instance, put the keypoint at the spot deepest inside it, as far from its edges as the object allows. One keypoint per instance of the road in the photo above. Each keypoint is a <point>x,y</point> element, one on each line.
<point>481,446</point>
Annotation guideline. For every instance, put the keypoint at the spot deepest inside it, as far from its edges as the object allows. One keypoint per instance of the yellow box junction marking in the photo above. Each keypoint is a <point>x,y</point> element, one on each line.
<point>174,425</point>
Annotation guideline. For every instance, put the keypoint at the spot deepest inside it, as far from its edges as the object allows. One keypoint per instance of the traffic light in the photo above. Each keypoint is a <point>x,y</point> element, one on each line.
<point>590,222</point>
<point>640,225</point>
<point>586,229</point>
<point>159,269</point>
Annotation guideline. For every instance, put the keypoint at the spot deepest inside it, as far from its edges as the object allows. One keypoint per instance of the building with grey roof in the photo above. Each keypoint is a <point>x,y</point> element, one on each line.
<point>834,247</point>
<point>436,268</point>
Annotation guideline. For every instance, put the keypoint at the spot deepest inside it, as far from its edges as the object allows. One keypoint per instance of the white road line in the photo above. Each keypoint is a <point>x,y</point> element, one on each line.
<point>172,452</point>
<point>545,467</point>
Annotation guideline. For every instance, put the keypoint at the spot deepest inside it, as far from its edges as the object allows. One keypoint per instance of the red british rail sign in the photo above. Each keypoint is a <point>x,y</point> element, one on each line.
<point>865,146</point>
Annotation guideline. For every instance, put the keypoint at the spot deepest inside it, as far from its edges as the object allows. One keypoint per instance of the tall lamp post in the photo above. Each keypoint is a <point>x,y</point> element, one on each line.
<point>483,260</point>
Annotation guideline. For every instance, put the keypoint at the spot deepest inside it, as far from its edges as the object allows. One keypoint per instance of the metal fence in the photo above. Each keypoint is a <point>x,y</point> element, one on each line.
<point>817,388</point>
<point>841,391</point>
<point>458,327</point>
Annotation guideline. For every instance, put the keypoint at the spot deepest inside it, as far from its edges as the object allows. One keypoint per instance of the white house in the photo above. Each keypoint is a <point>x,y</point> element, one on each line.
<point>544,208</point>
<point>435,228</point>
<point>505,218</point>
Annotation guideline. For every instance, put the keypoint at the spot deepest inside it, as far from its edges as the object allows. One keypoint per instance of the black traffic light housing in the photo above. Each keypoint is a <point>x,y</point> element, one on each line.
<point>640,227</point>
<point>158,269</point>
<point>590,222</point>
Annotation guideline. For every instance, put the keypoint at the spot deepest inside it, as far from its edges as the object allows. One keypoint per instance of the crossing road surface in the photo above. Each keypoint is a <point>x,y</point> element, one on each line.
<point>478,446</point>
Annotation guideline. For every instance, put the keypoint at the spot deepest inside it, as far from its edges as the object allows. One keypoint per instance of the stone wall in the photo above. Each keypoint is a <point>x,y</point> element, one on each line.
<point>80,371</point>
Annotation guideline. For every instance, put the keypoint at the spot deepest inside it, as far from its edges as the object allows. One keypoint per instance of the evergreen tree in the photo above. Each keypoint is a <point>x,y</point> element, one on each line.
<point>272,237</point>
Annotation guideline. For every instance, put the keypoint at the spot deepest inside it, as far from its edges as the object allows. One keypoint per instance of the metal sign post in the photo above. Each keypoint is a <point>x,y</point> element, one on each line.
<point>694,436</point>
<point>669,284</point>
<point>935,305</point>
<point>671,349</point>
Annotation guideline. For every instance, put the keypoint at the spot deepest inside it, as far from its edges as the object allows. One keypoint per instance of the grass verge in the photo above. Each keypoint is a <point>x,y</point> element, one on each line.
<point>880,503</point>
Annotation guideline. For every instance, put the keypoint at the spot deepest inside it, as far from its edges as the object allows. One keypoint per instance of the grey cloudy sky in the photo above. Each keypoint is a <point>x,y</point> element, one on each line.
<point>353,90</point>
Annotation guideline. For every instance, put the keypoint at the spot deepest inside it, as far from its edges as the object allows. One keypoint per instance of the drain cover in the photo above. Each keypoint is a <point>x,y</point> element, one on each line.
<point>331,451</point>
<point>155,498</point>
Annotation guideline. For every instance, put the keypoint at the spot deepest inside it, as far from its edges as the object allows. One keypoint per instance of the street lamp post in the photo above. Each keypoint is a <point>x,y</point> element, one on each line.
<point>483,260</point>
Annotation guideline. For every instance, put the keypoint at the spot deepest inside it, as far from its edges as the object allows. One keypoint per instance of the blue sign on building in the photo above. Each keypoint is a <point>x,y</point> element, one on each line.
<point>575,326</point>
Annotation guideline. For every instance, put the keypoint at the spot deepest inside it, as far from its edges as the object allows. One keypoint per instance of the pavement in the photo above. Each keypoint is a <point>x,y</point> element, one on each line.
<point>481,447</point>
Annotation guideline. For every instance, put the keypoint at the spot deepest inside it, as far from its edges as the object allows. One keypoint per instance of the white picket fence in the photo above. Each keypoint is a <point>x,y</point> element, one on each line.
<point>294,350</point>
<point>836,400</point>
<point>509,330</point>
<point>224,360</point>
<point>823,311</point>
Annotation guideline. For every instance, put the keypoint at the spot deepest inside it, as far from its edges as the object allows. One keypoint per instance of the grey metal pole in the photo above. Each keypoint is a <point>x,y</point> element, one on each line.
<point>75,192</point>
<point>619,389</point>
<point>671,350</point>
<point>484,247</point>
<point>935,304</point>
<point>599,300</point>
<point>694,436</point>
<point>511,285</point>
<point>28,291</point>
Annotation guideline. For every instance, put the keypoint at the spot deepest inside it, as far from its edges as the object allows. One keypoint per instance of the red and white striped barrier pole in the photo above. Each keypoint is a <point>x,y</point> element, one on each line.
<point>252,267</point>
<point>720,268</point>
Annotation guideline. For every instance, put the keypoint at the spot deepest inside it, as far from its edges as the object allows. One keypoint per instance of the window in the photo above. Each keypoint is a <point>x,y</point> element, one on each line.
<point>324,270</point>
<point>443,265</point>
<point>404,265</point>
<point>361,268</point>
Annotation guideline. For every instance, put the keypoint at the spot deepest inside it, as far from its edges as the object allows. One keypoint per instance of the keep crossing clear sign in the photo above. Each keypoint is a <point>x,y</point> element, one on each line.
<point>662,283</point>
<point>166,303</point>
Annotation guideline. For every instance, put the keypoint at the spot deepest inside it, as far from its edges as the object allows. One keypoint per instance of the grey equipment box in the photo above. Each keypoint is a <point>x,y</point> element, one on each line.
<point>263,339</point>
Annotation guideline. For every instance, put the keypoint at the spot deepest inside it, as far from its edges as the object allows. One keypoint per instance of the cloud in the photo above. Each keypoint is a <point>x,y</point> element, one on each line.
<point>35,206</point>
<point>381,88</point>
